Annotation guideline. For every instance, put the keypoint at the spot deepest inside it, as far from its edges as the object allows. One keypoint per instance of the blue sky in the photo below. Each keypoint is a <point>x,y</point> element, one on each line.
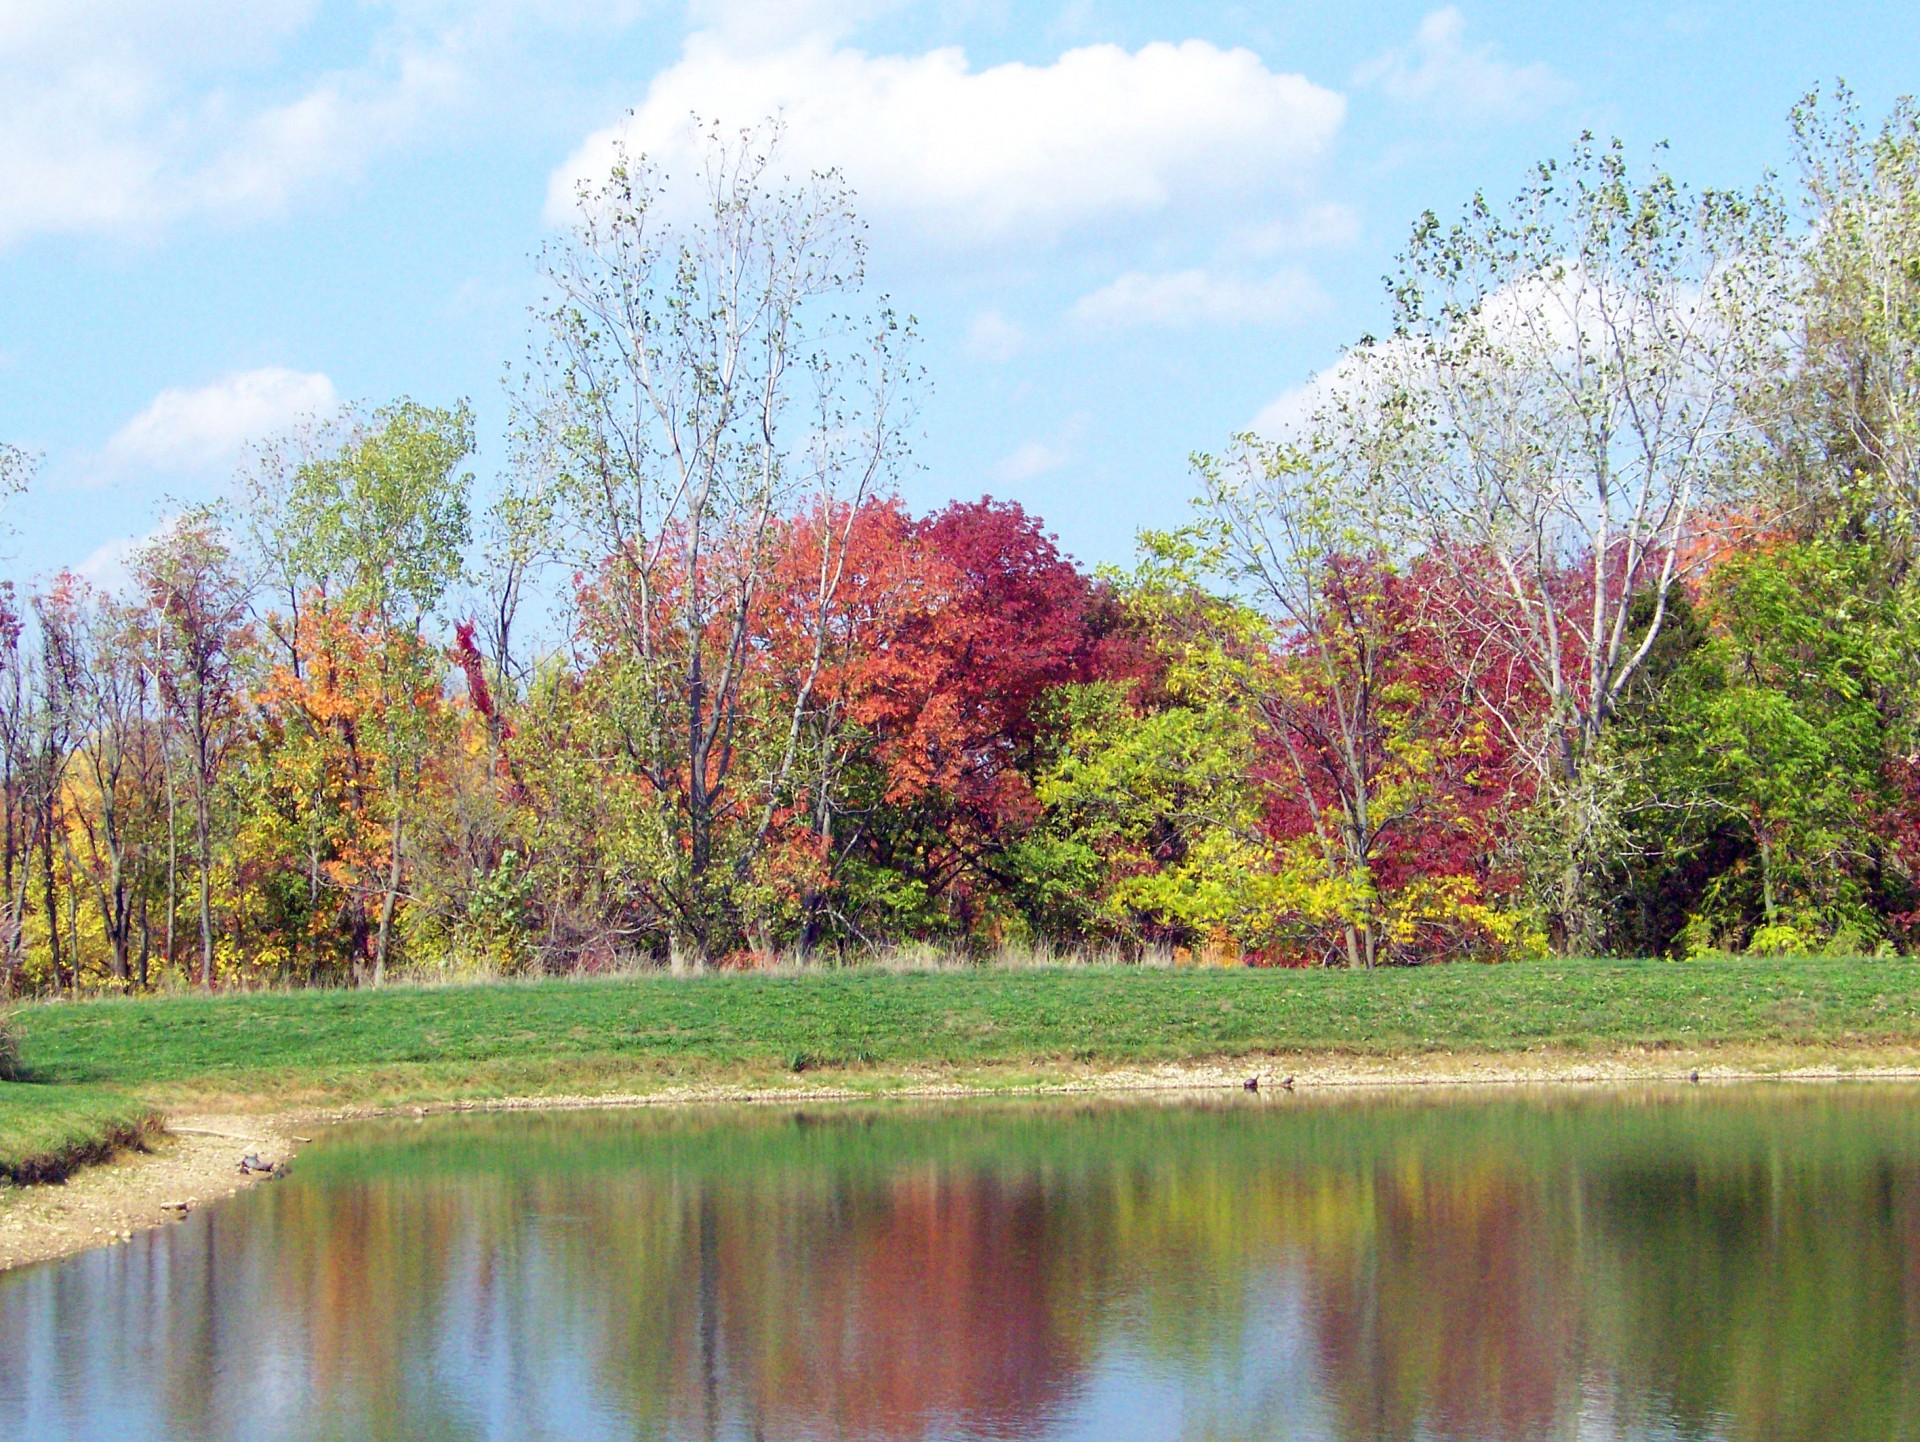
<point>1125,228</point>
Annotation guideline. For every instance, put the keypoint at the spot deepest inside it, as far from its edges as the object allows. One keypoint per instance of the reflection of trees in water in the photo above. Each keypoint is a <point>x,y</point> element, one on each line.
<point>1455,1290</point>
<point>927,1303</point>
<point>1482,1300</point>
<point>894,1311</point>
<point>1452,1309</point>
<point>1780,1295</point>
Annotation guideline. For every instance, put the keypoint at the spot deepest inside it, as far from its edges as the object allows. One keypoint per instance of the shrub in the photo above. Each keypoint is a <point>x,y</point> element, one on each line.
<point>9,1049</point>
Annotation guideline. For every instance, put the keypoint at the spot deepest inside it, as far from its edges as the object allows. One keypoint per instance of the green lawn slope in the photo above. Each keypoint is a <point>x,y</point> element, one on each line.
<point>875,1028</point>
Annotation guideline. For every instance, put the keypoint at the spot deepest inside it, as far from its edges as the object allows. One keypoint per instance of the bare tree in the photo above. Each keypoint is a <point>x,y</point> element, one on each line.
<point>58,707</point>
<point>18,791</point>
<point>1846,417</point>
<point>1580,361</point>
<point>16,746</point>
<point>698,381</point>
<point>200,607</point>
<point>112,743</point>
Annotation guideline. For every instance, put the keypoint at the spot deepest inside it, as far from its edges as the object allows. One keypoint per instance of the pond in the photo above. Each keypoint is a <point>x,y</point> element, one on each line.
<point>1657,1264</point>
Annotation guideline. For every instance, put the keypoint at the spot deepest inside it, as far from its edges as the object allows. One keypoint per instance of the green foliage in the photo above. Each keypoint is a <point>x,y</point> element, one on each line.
<point>1757,747</point>
<point>379,518</point>
<point>1159,803</point>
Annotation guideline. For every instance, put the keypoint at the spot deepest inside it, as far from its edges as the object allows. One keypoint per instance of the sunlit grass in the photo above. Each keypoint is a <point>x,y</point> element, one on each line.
<point>481,1040</point>
<point>47,1131</point>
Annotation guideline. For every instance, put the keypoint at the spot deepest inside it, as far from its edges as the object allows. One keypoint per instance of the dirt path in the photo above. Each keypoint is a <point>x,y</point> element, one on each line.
<point>196,1161</point>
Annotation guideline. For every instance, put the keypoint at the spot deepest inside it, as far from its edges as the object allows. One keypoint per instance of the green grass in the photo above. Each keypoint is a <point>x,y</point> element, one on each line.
<point>48,1131</point>
<point>483,1039</point>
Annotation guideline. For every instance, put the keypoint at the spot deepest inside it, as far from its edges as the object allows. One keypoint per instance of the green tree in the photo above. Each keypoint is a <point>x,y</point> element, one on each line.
<point>373,524</point>
<point>1760,755</point>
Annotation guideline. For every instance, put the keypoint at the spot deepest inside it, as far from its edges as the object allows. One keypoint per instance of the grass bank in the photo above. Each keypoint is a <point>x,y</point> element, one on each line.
<point>48,1131</point>
<point>469,1042</point>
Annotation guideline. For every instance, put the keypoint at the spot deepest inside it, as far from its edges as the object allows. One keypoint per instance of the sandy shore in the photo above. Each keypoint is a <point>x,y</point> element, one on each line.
<point>195,1162</point>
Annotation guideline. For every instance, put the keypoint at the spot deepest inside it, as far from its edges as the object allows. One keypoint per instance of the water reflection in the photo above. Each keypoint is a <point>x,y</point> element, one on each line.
<point>1652,1266</point>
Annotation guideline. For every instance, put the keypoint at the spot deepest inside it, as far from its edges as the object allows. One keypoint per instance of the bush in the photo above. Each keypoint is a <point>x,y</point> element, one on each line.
<point>9,1049</point>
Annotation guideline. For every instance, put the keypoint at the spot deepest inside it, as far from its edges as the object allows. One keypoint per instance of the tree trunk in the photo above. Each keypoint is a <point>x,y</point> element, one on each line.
<point>118,917</point>
<point>73,933</point>
<point>203,841</point>
<point>1766,878</point>
<point>173,860</point>
<point>50,897</point>
<point>387,903</point>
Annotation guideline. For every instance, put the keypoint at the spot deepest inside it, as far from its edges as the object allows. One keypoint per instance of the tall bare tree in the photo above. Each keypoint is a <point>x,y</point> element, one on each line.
<point>61,713</point>
<point>199,601</point>
<point>700,378</point>
<point>1580,359</point>
<point>18,792</point>
<point>16,747</point>
<point>113,743</point>
<point>1846,418</point>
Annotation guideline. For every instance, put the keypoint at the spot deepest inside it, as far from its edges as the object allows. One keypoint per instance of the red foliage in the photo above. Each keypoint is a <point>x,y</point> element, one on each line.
<point>466,655</point>
<point>1896,823</point>
<point>951,695</point>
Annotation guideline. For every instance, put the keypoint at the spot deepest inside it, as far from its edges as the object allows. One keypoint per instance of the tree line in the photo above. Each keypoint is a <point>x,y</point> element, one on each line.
<point>1576,612</point>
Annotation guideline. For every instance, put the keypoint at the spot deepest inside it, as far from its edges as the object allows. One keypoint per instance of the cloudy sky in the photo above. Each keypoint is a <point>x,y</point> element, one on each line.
<point>1126,228</point>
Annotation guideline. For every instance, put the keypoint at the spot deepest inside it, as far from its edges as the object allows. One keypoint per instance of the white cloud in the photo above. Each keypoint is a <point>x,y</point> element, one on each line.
<point>196,430</point>
<point>1041,456</point>
<point>1030,461</point>
<point>1440,71</point>
<point>1320,226</point>
<point>107,567</point>
<point>992,337</point>
<point>1193,297</point>
<point>123,119</point>
<point>1013,151</point>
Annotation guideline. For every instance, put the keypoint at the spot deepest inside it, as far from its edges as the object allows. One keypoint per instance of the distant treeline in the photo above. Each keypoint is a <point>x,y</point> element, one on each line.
<point>1576,612</point>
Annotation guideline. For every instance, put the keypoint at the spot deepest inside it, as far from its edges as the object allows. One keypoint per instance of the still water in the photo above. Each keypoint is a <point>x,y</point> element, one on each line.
<point>1642,1265</point>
